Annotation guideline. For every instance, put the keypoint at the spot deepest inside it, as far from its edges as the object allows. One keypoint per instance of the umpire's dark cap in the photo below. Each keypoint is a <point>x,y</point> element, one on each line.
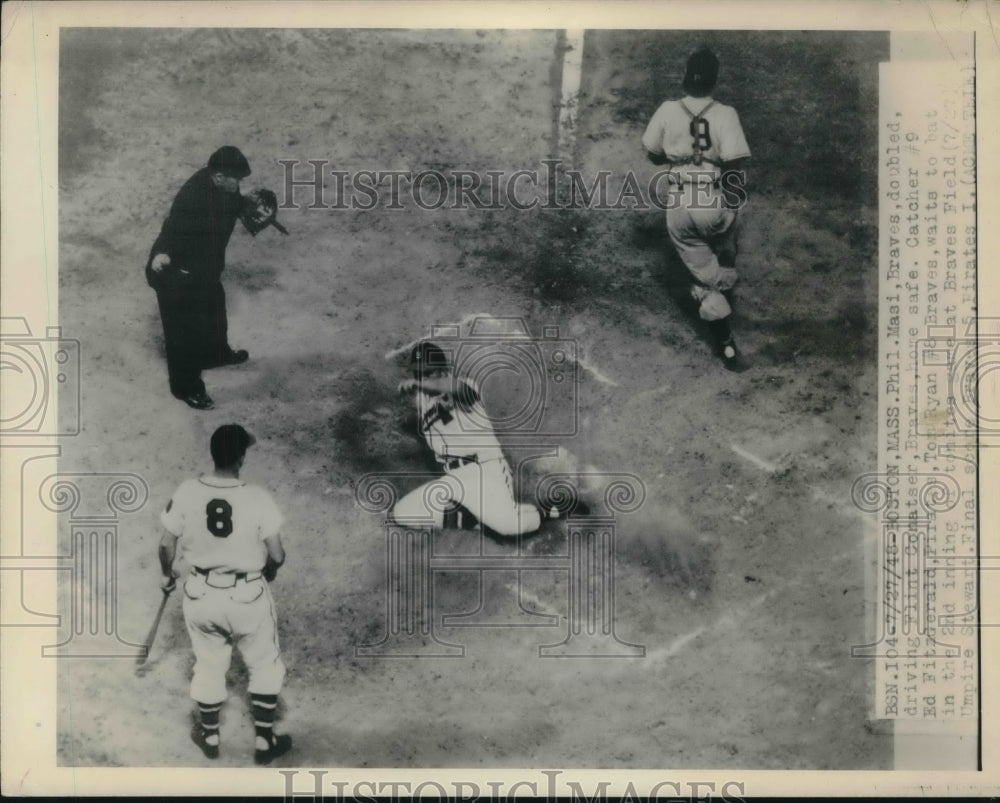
<point>427,356</point>
<point>702,72</point>
<point>229,161</point>
<point>229,443</point>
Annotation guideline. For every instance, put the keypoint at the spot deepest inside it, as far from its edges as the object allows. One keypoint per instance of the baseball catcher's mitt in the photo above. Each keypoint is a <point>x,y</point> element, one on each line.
<point>260,210</point>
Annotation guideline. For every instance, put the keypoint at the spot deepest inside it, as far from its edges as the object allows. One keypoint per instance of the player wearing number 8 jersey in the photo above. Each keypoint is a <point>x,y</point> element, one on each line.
<point>228,534</point>
<point>702,143</point>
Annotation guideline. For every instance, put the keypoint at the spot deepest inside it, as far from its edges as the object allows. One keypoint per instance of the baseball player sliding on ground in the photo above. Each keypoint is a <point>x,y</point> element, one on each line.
<point>702,143</point>
<point>229,536</point>
<point>453,422</point>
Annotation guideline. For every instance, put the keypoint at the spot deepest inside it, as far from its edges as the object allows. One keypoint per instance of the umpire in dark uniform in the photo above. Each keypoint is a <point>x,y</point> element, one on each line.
<point>185,268</point>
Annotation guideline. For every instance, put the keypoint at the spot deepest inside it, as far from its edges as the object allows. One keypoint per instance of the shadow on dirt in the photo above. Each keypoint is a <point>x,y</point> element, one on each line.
<point>845,337</point>
<point>542,251</point>
<point>341,411</point>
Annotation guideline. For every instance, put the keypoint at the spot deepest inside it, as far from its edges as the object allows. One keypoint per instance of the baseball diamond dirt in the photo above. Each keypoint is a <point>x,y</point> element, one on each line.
<point>739,582</point>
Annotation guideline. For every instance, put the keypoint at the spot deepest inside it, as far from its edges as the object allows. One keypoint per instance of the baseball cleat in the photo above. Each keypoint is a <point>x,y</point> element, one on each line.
<point>200,737</point>
<point>199,401</point>
<point>280,744</point>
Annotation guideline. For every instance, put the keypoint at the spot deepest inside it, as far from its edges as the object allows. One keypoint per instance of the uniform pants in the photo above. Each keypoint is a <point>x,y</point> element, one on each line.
<point>484,489</point>
<point>195,334</point>
<point>219,619</point>
<point>705,238</point>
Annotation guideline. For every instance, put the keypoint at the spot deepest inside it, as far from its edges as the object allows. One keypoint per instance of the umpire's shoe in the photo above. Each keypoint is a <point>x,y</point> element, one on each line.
<point>228,357</point>
<point>200,737</point>
<point>281,743</point>
<point>235,357</point>
<point>198,400</point>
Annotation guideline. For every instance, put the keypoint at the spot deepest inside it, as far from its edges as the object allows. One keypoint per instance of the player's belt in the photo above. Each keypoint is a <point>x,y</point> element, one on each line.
<point>217,579</point>
<point>695,160</point>
<point>678,180</point>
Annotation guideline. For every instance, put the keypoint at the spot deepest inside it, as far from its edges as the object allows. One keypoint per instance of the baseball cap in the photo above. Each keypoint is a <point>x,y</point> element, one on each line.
<point>229,443</point>
<point>702,72</point>
<point>229,161</point>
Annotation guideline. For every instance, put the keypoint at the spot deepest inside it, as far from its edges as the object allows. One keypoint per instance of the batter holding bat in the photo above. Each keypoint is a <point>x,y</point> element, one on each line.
<point>702,144</point>
<point>454,424</point>
<point>229,535</point>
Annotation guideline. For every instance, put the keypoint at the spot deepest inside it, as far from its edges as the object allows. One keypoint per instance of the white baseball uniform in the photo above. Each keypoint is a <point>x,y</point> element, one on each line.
<point>477,476</point>
<point>698,136</point>
<point>222,524</point>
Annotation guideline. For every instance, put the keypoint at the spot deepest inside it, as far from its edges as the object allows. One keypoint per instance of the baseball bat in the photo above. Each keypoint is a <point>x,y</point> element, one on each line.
<point>151,636</point>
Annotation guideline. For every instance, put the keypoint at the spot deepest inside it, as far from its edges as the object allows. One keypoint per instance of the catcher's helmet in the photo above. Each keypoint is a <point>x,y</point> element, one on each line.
<point>426,357</point>
<point>702,72</point>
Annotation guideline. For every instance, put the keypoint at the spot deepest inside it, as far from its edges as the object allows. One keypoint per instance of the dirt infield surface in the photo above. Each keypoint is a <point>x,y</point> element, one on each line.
<point>742,575</point>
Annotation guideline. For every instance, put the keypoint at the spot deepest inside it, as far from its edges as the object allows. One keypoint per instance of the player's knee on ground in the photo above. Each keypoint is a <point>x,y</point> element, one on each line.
<point>412,512</point>
<point>425,505</point>
<point>526,519</point>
